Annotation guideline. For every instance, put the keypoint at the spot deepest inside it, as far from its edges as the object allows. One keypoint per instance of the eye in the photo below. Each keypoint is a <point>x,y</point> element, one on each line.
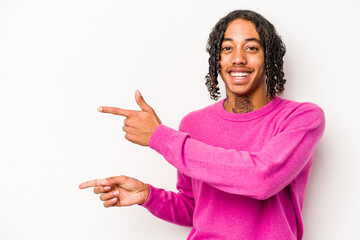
<point>227,48</point>
<point>252,49</point>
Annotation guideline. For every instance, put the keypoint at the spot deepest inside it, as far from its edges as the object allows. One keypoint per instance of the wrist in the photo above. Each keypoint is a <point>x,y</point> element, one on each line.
<point>146,193</point>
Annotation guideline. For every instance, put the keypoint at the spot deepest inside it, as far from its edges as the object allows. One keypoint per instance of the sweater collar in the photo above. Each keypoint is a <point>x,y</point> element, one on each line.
<point>246,116</point>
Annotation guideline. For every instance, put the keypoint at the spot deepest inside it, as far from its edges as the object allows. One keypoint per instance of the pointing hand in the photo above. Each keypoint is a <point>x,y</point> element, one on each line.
<point>138,125</point>
<point>119,191</point>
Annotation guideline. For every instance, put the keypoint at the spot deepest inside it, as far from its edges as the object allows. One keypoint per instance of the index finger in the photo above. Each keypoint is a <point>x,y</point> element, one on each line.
<point>93,183</point>
<point>115,110</point>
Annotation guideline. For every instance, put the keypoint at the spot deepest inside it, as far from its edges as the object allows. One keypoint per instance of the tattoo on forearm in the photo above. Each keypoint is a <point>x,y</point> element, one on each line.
<point>243,105</point>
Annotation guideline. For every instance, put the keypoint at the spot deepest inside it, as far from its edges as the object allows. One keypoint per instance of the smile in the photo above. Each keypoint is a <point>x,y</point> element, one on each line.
<point>239,75</point>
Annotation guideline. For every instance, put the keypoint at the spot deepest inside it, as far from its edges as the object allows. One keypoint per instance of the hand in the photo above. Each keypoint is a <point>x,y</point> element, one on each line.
<point>119,191</point>
<point>138,125</point>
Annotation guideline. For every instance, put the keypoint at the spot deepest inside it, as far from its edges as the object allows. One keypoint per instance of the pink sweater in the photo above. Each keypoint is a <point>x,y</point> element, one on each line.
<point>240,176</point>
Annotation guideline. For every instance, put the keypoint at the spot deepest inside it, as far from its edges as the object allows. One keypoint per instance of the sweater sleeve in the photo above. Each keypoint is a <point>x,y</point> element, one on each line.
<point>173,207</point>
<point>258,175</point>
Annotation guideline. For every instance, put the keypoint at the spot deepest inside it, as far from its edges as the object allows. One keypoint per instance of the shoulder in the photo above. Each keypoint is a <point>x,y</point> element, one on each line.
<point>300,113</point>
<point>198,117</point>
<point>293,107</point>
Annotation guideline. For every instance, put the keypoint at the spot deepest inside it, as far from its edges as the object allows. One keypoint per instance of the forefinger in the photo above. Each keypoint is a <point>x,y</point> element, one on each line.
<point>116,111</point>
<point>93,183</point>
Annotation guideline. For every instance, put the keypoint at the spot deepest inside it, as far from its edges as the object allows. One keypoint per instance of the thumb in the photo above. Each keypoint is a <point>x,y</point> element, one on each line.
<point>141,102</point>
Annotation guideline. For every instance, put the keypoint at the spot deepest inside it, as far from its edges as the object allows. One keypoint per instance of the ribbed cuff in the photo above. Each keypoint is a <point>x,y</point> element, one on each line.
<point>157,137</point>
<point>149,204</point>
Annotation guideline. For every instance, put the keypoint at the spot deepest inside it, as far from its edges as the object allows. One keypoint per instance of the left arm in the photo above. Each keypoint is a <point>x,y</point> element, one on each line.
<point>259,174</point>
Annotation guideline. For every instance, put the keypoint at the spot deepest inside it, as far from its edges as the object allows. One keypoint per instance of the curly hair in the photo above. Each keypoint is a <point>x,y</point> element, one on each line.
<point>274,51</point>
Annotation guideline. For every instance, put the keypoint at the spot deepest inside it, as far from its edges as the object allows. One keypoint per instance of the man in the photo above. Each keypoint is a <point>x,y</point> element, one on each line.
<point>244,162</point>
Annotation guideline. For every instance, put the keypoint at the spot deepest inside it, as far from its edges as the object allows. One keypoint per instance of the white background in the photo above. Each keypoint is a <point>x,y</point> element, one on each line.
<point>60,60</point>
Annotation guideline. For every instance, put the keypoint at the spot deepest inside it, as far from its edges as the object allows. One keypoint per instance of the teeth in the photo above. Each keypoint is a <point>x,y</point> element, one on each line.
<point>239,74</point>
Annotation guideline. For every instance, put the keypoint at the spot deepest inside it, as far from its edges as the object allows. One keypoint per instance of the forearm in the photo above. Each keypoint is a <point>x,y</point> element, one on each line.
<point>173,207</point>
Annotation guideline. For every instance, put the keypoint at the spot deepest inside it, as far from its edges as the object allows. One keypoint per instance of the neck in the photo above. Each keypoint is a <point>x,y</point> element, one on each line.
<point>244,104</point>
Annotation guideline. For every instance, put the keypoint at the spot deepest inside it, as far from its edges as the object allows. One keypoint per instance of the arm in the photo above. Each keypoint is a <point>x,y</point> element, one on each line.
<point>173,207</point>
<point>255,174</point>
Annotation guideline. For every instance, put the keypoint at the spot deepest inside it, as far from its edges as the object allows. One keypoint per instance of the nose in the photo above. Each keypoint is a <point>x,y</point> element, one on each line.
<point>239,58</point>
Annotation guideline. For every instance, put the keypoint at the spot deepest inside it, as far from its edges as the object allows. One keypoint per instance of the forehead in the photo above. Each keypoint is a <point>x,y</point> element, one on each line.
<point>240,28</point>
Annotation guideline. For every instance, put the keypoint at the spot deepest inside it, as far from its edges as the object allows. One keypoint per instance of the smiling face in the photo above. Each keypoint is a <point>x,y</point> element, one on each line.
<point>242,61</point>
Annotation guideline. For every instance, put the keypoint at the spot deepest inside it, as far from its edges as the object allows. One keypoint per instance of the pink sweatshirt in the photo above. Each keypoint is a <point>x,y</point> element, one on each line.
<point>240,175</point>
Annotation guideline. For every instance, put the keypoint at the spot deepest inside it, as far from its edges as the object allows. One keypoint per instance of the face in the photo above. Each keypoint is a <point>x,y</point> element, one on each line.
<point>242,61</point>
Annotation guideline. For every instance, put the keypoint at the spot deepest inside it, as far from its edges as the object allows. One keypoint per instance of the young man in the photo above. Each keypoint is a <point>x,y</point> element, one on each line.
<point>244,162</point>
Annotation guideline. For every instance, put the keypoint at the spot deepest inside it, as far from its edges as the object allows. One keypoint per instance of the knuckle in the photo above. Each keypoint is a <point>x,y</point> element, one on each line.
<point>129,122</point>
<point>102,197</point>
<point>128,136</point>
<point>122,178</point>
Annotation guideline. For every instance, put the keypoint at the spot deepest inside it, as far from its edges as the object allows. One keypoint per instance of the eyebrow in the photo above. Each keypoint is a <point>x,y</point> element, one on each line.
<point>246,40</point>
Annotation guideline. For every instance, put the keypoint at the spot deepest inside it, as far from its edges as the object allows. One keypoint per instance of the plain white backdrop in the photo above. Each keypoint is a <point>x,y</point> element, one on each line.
<point>60,60</point>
